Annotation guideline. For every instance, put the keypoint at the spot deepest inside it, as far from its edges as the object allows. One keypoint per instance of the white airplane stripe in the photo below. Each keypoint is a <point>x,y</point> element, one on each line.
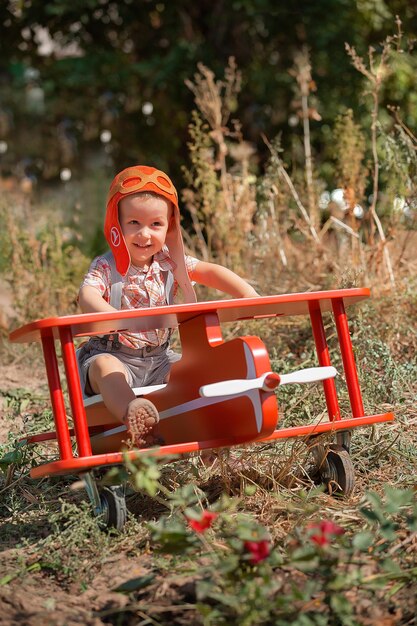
<point>192,405</point>
<point>253,394</point>
<point>139,391</point>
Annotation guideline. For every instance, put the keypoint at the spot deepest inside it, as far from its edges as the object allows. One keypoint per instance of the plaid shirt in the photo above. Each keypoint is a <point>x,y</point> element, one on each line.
<point>141,289</point>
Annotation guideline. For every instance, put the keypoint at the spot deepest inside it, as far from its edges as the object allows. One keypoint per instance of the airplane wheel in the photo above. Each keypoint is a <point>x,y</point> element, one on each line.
<point>113,507</point>
<point>334,469</point>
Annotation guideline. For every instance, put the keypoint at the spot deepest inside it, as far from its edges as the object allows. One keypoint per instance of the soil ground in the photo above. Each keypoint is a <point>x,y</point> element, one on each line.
<point>40,598</point>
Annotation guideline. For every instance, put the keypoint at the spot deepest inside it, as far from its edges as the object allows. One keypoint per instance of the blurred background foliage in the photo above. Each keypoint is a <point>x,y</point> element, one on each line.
<point>101,81</point>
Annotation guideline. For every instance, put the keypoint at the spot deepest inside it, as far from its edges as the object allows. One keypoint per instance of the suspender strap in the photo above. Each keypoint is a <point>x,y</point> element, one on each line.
<point>168,278</point>
<point>116,282</point>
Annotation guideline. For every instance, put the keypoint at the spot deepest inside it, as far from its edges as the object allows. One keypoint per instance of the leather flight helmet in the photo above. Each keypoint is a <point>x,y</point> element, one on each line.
<point>133,180</point>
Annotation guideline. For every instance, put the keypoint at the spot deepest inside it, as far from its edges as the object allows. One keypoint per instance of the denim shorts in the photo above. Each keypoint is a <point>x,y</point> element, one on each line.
<point>144,366</point>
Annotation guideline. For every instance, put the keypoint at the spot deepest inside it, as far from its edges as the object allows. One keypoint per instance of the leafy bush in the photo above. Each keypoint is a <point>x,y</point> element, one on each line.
<point>313,578</point>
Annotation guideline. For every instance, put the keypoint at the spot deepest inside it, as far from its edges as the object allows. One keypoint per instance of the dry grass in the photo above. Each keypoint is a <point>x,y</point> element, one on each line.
<point>269,227</point>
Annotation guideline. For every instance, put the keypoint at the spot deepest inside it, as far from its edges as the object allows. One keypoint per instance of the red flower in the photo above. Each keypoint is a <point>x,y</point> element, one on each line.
<point>324,531</point>
<point>259,550</point>
<point>205,521</point>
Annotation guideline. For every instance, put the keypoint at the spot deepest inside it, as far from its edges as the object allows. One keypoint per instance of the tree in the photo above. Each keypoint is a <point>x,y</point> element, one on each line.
<point>71,69</point>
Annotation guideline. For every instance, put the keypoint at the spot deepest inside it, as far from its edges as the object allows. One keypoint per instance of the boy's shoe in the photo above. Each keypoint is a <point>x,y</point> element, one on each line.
<point>141,418</point>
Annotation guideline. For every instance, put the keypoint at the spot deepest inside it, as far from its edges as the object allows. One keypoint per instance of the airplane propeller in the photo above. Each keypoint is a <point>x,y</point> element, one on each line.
<point>266,382</point>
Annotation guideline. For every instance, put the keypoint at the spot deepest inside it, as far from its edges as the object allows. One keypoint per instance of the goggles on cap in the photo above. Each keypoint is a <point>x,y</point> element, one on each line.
<point>134,180</point>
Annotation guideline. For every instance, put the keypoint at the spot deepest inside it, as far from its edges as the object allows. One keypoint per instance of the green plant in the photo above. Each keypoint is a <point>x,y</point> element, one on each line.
<point>241,576</point>
<point>36,257</point>
<point>221,192</point>
<point>351,175</point>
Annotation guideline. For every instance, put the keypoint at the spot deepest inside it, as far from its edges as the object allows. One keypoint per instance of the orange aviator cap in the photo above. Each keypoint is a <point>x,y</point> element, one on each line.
<point>136,179</point>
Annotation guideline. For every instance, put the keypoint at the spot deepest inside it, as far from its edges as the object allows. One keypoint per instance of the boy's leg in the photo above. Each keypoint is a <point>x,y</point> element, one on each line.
<point>107,375</point>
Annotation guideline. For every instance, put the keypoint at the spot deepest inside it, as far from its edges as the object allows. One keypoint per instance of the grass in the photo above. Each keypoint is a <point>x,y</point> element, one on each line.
<point>53,549</point>
<point>50,539</point>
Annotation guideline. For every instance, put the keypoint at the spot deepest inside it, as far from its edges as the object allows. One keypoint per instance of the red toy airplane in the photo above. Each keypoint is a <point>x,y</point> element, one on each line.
<point>220,393</point>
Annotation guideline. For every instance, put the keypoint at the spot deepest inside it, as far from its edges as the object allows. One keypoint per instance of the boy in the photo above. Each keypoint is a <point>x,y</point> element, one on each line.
<point>142,228</point>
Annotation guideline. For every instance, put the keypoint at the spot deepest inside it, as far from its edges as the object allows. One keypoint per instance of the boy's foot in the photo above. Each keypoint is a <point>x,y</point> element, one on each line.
<point>141,418</point>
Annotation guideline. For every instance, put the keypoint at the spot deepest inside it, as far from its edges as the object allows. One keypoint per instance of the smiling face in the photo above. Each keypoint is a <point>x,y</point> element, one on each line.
<point>144,220</point>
